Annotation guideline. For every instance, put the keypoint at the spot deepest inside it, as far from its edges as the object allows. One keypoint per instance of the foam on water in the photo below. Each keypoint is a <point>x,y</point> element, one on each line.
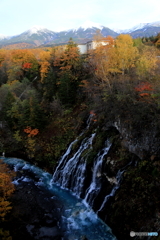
<point>77,219</point>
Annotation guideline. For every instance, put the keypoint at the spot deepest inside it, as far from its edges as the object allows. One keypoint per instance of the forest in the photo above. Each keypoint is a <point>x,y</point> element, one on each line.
<point>46,95</point>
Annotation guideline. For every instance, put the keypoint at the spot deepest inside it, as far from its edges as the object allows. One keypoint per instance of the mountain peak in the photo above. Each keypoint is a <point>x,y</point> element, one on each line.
<point>38,35</point>
<point>138,26</point>
<point>35,29</point>
<point>90,24</point>
<point>141,26</point>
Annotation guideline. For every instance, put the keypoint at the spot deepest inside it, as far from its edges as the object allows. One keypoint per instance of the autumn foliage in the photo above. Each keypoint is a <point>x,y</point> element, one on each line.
<point>6,189</point>
<point>93,116</point>
<point>38,84</point>
<point>31,132</point>
<point>27,65</point>
<point>144,89</point>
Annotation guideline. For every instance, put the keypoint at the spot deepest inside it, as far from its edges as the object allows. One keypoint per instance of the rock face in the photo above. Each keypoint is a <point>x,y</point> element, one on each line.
<point>142,142</point>
<point>136,203</point>
<point>35,213</point>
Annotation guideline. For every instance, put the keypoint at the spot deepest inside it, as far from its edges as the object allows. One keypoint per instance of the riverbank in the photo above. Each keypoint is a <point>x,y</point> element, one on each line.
<point>35,213</point>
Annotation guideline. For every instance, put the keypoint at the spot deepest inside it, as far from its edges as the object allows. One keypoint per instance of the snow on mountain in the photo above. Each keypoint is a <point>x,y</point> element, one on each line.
<point>90,24</point>
<point>36,35</point>
<point>117,30</point>
<point>155,24</point>
<point>136,27</point>
<point>3,36</point>
<point>37,30</point>
<point>139,27</point>
<point>39,35</point>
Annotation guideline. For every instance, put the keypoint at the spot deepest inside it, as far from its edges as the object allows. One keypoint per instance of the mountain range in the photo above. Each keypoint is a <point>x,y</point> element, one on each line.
<point>37,36</point>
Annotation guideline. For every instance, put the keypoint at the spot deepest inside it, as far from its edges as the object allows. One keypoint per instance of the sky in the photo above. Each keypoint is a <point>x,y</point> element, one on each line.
<point>17,16</point>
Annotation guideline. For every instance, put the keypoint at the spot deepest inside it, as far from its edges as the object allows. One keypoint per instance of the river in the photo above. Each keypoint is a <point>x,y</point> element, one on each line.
<point>78,220</point>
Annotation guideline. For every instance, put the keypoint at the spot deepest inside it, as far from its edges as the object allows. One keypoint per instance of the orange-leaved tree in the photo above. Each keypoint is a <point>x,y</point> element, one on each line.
<point>21,63</point>
<point>144,89</point>
<point>69,60</point>
<point>6,189</point>
<point>44,61</point>
<point>30,142</point>
<point>31,132</point>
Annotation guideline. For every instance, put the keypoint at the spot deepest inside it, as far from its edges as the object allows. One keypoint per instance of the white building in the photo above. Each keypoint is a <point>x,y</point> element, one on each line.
<point>85,47</point>
<point>82,48</point>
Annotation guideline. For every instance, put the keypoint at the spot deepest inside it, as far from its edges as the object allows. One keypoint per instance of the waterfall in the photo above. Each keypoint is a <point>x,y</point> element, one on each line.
<point>95,185</point>
<point>77,220</point>
<point>57,174</point>
<point>70,172</point>
<point>117,185</point>
<point>114,189</point>
<point>87,180</point>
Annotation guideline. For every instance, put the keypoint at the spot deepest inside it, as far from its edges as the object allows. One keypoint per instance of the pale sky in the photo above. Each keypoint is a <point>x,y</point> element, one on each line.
<point>17,16</point>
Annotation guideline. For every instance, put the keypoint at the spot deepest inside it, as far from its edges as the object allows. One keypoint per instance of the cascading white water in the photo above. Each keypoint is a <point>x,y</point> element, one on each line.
<point>114,189</point>
<point>95,185</point>
<point>78,221</point>
<point>117,185</point>
<point>70,173</point>
<point>62,162</point>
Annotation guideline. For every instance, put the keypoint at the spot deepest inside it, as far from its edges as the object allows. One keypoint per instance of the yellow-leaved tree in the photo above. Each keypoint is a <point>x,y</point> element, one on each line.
<point>147,61</point>
<point>125,53</point>
<point>100,59</point>
<point>113,57</point>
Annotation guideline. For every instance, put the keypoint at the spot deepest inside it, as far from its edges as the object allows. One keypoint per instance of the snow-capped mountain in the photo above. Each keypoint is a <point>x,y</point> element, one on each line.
<point>145,30</point>
<point>89,24</point>
<point>35,30</point>
<point>83,33</point>
<point>38,30</point>
<point>136,27</point>
<point>39,35</point>
<point>36,35</point>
